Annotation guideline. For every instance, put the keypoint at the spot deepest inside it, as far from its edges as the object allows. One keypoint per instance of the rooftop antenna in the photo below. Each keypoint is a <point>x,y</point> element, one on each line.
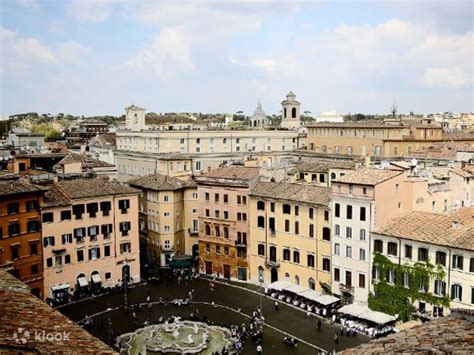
<point>393,109</point>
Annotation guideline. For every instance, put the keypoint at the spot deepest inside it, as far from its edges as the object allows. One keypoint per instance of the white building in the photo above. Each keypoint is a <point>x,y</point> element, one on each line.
<point>329,116</point>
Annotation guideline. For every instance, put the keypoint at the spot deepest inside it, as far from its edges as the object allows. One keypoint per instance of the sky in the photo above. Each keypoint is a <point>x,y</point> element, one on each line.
<point>95,57</point>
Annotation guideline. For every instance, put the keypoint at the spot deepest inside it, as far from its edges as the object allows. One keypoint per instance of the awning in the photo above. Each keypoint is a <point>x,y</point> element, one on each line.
<point>326,300</point>
<point>96,278</point>
<point>279,285</point>
<point>364,312</point>
<point>310,295</point>
<point>60,287</point>
<point>82,281</point>
<point>296,289</point>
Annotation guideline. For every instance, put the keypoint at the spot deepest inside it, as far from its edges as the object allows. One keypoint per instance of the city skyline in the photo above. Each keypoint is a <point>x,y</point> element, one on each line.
<point>94,58</point>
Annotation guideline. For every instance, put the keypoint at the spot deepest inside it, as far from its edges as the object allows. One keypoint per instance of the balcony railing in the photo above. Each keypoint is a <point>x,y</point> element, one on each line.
<point>272,263</point>
<point>346,288</point>
<point>241,243</point>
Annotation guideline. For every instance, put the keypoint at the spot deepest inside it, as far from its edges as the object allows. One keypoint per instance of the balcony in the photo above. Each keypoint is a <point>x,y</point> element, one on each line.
<point>272,263</point>
<point>241,243</point>
<point>193,231</point>
<point>272,232</point>
<point>346,288</point>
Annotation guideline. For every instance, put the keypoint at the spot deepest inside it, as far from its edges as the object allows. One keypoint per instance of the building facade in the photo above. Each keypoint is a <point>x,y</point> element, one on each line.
<point>20,232</point>
<point>224,221</point>
<point>291,112</point>
<point>290,234</point>
<point>168,218</point>
<point>90,236</point>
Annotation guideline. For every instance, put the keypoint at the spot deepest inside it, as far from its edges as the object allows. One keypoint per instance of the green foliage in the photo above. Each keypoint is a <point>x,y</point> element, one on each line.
<point>398,299</point>
<point>236,125</point>
<point>47,131</point>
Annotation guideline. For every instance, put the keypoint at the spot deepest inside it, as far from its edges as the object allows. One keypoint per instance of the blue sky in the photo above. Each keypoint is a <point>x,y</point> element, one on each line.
<point>96,57</point>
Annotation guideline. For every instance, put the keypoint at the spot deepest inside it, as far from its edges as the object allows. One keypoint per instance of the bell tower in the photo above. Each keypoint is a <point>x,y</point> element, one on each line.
<point>290,112</point>
<point>135,118</point>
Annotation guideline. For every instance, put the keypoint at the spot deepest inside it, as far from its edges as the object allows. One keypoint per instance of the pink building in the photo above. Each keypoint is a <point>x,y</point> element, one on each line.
<point>90,236</point>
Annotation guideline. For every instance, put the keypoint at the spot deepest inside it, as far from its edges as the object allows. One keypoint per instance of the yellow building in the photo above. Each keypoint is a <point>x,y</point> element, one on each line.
<point>168,218</point>
<point>290,235</point>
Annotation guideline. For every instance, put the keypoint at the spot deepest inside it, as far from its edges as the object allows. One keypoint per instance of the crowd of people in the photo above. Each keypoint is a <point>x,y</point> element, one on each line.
<point>303,303</point>
<point>352,326</point>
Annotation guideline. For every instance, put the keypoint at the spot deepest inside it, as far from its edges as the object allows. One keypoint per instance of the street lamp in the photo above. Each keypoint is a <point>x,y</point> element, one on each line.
<point>125,284</point>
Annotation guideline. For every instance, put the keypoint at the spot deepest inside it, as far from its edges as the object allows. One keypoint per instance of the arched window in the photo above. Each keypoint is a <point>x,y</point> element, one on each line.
<point>260,274</point>
<point>293,112</point>
<point>261,205</point>
<point>217,231</point>
<point>324,148</point>
<point>349,150</point>
<point>208,229</point>
<point>314,177</point>
<point>322,178</point>
<point>297,279</point>
<point>287,276</point>
<point>311,283</point>
<point>226,232</point>
<point>333,176</point>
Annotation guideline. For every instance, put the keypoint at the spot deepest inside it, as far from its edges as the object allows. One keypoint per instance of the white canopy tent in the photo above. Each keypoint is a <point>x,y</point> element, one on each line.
<point>96,278</point>
<point>62,286</point>
<point>326,300</point>
<point>296,289</point>
<point>364,312</point>
<point>82,281</point>
<point>279,285</point>
<point>310,295</point>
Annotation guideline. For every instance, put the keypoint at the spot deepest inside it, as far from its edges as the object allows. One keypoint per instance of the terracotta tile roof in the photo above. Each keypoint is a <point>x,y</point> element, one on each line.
<point>323,166</point>
<point>86,161</point>
<point>358,124</point>
<point>167,119</point>
<point>159,182</point>
<point>103,140</point>
<point>465,172</point>
<point>446,335</point>
<point>455,229</point>
<point>18,187</point>
<point>459,135</point>
<point>21,310</point>
<point>368,176</point>
<point>85,188</point>
<point>54,197</point>
<point>233,172</point>
<point>292,192</point>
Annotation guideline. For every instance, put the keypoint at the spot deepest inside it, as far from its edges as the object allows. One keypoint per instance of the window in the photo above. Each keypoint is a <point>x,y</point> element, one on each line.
<point>166,198</point>
<point>310,260</point>
<point>364,191</point>
<point>94,253</point>
<point>207,196</point>
<point>287,225</point>
<point>361,280</point>
<point>326,265</point>
<point>226,250</point>
<point>337,249</point>
<point>391,276</point>
<point>48,241</point>
<point>349,212</point>
<point>218,249</point>
<point>348,251</point>
<point>66,238</point>
<point>471,265</point>
<point>296,256</point>
<point>244,216</point>
<point>48,217</point>
<point>92,209</point>
<point>439,288</point>
<point>297,210</point>
<point>65,215</point>
<point>226,214</point>
<point>107,250</point>
<point>32,206</point>
<point>78,211</point>
<point>392,248</point>
<point>15,252</point>
<point>362,234</point>
<point>13,208</point>
<point>49,262</point>
<point>67,259</point>
<point>226,232</point>
<point>80,255</point>
<point>286,254</point>
<point>406,280</point>
<point>440,258</point>
<point>362,254</point>
<point>261,249</point>
<point>458,262</point>
<point>33,248</point>
<point>272,206</point>
<point>34,269</point>
<point>32,226</point>
<point>297,227</point>
<point>337,230</point>
<point>216,198</point>
<point>208,212</point>
<point>79,234</point>
<point>337,274</point>
<point>348,278</point>
<point>244,200</point>
<point>311,212</point>
<point>326,215</point>
<point>362,213</point>
<point>311,230</point>
<point>378,246</point>
<point>261,222</point>
<point>349,232</point>
<point>408,251</point>
<point>423,254</point>
<point>286,209</point>
<point>261,206</point>
<point>326,234</point>
<point>376,273</point>
<point>226,198</point>
<point>217,213</point>
<point>208,229</point>
<point>125,248</point>
<point>13,229</point>
<point>337,210</point>
<point>311,283</point>
<point>456,292</point>
<point>106,230</point>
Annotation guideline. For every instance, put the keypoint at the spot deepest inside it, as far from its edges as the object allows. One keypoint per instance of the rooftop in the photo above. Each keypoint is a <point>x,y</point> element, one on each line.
<point>321,166</point>
<point>18,187</point>
<point>85,160</point>
<point>64,191</point>
<point>465,172</point>
<point>165,119</point>
<point>159,182</point>
<point>21,310</point>
<point>292,192</point>
<point>103,140</point>
<point>368,176</point>
<point>455,229</point>
<point>446,335</point>
<point>233,172</point>
<point>358,124</point>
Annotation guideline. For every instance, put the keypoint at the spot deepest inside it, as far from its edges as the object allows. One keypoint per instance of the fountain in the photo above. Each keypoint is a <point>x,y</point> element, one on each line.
<point>184,337</point>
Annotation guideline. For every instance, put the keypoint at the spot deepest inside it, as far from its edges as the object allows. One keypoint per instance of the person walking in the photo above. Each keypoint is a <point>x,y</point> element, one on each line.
<point>276,306</point>
<point>319,324</point>
<point>259,349</point>
<point>336,339</point>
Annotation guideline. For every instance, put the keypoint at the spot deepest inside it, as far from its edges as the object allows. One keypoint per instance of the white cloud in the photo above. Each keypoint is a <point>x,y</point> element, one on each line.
<point>450,78</point>
<point>266,65</point>
<point>90,10</point>
<point>28,4</point>
<point>20,52</point>
<point>169,52</point>
<point>73,52</point>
